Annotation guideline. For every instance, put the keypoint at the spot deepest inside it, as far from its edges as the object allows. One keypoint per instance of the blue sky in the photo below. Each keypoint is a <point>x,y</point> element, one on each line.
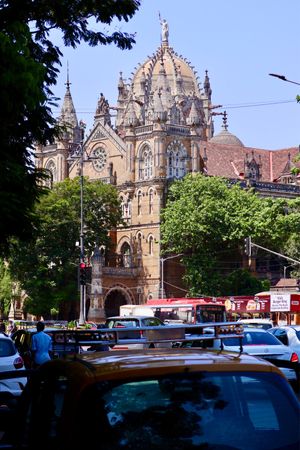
<point>239,42</point>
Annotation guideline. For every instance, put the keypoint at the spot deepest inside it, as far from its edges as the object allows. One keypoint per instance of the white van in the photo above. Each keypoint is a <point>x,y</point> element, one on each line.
<point>136,310</point>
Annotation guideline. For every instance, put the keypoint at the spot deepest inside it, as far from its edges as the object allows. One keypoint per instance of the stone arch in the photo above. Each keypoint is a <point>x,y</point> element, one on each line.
<point>118,295</point>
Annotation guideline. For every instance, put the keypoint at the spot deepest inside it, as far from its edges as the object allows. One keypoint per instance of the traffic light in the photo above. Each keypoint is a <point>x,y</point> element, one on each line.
<point>82,273</point>
<point>247,246</point>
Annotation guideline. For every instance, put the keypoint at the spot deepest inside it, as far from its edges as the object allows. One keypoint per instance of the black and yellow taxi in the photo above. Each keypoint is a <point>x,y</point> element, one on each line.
<point>158,398</point>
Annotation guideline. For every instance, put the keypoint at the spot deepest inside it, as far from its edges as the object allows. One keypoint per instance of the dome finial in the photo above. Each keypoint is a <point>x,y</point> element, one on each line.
<point>68,80</point>
<point>225,124</point>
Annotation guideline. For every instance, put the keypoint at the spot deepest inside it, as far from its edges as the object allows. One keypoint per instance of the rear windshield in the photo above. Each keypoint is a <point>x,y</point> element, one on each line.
<point>7,348</point>
<point>115,323</point>
<point>203,411</point>
<point>254,338</point>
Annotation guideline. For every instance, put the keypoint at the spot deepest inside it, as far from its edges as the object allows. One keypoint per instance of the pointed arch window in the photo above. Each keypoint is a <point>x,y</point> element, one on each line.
<point>176,160</point>
<point>125,207</point>
<point>151,195</point>
<point>126,255</point>
<point>139,201</point>
<point>146,163</point>
<point>150,245</point>
<point>52,172</point>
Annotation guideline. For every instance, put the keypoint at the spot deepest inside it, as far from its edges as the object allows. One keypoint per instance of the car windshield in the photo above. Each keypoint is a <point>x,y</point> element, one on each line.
<point>207,411</point>
<point>7,348</point>
<point>254,338</point>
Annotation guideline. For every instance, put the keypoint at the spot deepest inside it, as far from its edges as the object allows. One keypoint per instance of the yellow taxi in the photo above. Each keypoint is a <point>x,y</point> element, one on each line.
<point>171,399</point>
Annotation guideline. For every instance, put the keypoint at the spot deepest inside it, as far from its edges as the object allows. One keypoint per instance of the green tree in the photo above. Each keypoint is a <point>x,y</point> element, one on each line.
<point>29,65</point>
<point>47,267</point>
<point>208,218</point>
<point>5,288</point>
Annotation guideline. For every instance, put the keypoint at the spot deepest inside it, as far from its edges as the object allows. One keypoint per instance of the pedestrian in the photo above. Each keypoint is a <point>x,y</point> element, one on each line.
<point>3,329</point>
<point>41,345</point>
<point>12,328</point>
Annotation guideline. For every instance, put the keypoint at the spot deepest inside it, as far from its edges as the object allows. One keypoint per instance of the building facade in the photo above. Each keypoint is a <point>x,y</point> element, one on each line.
<point>163,129</point>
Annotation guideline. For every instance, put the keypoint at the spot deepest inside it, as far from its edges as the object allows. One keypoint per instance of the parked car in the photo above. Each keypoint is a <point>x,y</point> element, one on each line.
<point>259,342</point>
<point>156,399</point>
<point>265,324</point>
<point>10,360</point>
<point>289,335</point>
<point>134,322</point>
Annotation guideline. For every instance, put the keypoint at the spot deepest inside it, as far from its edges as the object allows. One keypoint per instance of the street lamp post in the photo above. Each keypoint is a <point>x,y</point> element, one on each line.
<point>283,78</point>
<point>78,154</point>
<point>82,255</point>
<point>162,260</point>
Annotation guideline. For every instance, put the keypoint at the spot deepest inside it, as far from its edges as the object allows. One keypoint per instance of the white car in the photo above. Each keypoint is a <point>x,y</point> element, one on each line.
<point>10,360</point>
<point>265,324</point>
<point>289,335</point>
<point>259,342</point>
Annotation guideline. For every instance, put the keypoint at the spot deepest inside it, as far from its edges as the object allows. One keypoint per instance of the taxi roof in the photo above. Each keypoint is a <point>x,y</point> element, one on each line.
<point>132,364</point>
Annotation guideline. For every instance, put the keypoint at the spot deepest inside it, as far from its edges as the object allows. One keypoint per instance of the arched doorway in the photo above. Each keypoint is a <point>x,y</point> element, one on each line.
<point>113,301</point>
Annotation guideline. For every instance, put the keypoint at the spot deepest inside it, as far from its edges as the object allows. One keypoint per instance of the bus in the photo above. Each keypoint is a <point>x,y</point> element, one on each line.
<point>188,310</point>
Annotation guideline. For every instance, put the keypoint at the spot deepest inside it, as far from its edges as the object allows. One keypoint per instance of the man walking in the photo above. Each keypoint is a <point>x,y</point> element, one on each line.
<point>41,345</point>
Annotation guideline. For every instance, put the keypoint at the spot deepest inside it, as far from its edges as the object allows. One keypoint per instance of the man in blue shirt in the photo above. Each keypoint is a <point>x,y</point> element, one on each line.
<point>41,345</point>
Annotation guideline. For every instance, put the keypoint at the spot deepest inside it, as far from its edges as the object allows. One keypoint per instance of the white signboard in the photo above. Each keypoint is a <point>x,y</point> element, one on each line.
<point>280,302</point>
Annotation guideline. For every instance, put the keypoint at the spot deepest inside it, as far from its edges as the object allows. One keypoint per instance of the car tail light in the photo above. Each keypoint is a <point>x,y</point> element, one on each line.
<point>294,357</point>
<point>18,363</point>
<point>141,333</point>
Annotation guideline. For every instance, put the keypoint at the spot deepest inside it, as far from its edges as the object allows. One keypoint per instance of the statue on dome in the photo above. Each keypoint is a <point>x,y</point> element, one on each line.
<point>164,29</point>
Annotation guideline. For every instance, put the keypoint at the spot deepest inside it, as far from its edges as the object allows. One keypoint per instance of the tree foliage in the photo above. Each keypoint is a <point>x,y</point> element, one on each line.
<point>208,218</point>
<point>5,288</point>
<point>47,267</point>
<point>29,64</point>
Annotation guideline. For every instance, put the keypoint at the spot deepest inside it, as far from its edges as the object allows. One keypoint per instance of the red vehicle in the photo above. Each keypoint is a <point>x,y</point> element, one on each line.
<point>189,310</point>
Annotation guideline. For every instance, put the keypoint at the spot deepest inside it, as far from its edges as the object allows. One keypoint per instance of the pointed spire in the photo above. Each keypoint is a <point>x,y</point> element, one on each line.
<point>131,118</point>
<point>68,115</point>
<point>121,83</point>
<point>207,88</point>
<point>193,117</point>
<point>159,113</point>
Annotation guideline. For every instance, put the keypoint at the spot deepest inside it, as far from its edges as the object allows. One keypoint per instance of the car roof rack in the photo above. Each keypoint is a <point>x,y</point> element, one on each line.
<point>154,334</point>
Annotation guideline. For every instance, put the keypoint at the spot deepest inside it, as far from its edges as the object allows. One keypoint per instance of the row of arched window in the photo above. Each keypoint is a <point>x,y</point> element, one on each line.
<point>126,250</point>
<point>142,207</point>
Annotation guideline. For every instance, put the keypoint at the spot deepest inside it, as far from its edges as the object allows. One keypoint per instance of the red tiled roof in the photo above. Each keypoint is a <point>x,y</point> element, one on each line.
<point>228,160</point>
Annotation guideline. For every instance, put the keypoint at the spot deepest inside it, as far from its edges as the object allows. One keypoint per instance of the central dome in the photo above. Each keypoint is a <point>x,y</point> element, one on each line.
<point>181,78</point>
<point>165,89</point>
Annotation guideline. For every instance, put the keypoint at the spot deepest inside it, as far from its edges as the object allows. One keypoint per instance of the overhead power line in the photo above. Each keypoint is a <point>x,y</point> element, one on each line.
<point>227,106</point>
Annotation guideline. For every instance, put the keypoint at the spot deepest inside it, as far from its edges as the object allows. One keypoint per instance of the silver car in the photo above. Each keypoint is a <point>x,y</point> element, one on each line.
<point>262,343</point>
<point>133,323</point>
